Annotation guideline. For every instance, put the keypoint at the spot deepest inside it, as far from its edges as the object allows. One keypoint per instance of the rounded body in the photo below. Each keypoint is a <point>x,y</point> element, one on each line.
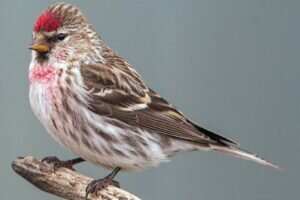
<point>59,100</point>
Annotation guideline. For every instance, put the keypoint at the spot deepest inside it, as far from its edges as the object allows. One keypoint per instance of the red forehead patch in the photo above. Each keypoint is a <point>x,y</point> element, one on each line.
<point>47,21</point>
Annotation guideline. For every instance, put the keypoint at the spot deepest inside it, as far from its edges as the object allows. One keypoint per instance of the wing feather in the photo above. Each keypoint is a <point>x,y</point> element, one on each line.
<point>126,98</point>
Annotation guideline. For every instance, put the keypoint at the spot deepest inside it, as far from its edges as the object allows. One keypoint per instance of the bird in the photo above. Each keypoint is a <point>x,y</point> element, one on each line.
<point>94,103</point>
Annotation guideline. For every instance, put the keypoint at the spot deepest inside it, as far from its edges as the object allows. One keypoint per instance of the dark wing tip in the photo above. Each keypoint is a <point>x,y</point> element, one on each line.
<point>214,136</point>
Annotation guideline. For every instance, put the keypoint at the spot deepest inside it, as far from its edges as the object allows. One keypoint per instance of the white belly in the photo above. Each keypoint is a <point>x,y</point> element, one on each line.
<point>74,133</point>
<point>92,136</point>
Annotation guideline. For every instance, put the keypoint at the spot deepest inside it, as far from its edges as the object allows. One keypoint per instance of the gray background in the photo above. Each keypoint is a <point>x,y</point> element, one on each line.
<point>231,65</point>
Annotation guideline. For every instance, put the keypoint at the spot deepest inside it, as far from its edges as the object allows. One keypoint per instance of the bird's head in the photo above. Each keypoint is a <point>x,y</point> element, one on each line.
<point>62,34</point>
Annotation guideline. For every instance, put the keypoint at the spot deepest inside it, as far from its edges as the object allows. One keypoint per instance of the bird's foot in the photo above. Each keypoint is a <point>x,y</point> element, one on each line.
<point>97,185</point>
<point>57,163</point>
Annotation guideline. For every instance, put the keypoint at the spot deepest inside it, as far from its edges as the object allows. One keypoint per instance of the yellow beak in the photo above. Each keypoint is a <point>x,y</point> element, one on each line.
<point>40,47</point>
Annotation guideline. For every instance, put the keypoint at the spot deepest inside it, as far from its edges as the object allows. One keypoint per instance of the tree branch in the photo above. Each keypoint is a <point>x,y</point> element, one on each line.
<point>63,182</point>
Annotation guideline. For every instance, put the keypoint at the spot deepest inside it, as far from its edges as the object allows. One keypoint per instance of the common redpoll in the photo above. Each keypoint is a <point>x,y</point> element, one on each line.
<point>95,104</point>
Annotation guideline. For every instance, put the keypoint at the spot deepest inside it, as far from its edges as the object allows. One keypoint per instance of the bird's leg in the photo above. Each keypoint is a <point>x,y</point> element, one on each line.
<point>62,163</point>
<point>99,184</point>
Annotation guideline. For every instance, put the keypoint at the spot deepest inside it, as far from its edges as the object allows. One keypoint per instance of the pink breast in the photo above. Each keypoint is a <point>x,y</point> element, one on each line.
<point>42,74</point>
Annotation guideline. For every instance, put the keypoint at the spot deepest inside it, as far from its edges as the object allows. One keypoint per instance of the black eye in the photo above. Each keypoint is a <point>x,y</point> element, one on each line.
<point>61,36</point>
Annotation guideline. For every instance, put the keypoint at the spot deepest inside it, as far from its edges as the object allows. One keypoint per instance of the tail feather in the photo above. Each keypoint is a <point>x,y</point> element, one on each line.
<point>240,153</point>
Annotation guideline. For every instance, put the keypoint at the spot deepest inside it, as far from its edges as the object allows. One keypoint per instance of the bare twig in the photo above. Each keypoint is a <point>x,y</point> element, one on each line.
<point>63,182</point>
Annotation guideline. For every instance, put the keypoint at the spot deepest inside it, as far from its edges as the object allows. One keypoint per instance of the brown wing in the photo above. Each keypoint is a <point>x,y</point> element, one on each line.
<point>158,103</point>
<point>124,96</point>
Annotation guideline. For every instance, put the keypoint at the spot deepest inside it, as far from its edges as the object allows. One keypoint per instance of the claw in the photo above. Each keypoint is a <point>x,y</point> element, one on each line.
<point>97,185</point>
<point>57,163</point>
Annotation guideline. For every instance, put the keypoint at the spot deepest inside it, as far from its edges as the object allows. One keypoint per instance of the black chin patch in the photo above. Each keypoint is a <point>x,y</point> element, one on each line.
<point>42,57</point>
